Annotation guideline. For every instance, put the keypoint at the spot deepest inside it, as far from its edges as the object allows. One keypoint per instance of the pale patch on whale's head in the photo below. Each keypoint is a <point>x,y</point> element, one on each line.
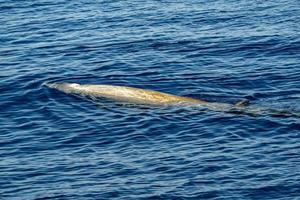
<point>70,87</point>
<point>73,85</point>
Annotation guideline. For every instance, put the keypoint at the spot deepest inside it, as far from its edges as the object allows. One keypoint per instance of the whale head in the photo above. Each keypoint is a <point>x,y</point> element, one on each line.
<point>65,87</point>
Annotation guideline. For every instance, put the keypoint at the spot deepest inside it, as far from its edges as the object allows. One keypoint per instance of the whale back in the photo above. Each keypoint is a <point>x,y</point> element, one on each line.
<point>124,93</point>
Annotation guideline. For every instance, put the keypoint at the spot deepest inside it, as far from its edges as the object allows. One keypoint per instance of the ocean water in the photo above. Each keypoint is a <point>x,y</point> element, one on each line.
<point>59,146</point>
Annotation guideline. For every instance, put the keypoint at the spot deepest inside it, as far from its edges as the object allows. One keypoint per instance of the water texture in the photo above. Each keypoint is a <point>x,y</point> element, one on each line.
<point>58,146</point>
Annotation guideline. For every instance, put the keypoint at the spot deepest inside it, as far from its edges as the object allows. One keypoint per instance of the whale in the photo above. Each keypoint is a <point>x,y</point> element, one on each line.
<point>138,95</point>
<point>156,98</point>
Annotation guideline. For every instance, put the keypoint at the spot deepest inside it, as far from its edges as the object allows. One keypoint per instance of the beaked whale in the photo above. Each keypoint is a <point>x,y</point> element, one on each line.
<point>155,98</point>
<point>138,96</point>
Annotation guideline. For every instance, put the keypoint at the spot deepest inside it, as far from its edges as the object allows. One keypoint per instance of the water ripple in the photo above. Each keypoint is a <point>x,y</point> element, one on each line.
<point>56,146</point>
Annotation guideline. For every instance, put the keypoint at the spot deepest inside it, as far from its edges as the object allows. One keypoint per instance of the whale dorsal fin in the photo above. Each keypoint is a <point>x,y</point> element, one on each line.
<point>243,103</point>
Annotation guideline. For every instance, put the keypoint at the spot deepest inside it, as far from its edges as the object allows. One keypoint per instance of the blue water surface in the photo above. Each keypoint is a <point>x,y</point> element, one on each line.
<point>58,146</point>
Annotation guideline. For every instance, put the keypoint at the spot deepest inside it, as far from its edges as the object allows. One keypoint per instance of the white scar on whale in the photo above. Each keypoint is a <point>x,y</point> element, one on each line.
<point>138,96</point>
